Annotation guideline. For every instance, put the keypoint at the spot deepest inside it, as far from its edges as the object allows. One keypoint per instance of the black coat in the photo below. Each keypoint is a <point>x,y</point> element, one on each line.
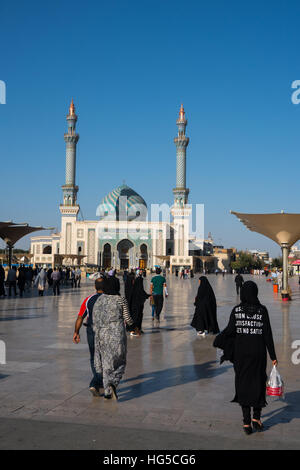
<point>239,280</point>
<point>137,300</point>
<point>129,287</point>
<point>21,278</point>
<point>245,342</point>
<point>205,316</point>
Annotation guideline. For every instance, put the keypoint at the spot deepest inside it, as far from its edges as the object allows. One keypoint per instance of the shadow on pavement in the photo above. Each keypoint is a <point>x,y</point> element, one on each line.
<point>3,376</point>
<point>155,381</point>
<point>48,292</point>
<point>285,414</point>
<point>19,317</point>
<point>27,308</point>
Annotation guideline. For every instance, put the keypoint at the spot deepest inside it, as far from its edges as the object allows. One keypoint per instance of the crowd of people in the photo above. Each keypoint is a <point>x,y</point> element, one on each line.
<point>245,341</point>
<point>107,316</point>
<point>21,280</point>
<point>184,273</point>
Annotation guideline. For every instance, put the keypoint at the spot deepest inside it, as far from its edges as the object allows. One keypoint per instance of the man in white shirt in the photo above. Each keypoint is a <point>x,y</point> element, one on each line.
<point>77,277</point>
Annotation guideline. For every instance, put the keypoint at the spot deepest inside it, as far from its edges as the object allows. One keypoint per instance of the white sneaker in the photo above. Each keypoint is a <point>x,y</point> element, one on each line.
<point>201,333</point>
<point>133,333</point>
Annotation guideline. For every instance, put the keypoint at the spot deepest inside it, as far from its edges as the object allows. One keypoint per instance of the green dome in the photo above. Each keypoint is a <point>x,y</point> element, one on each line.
<point>111,203</point>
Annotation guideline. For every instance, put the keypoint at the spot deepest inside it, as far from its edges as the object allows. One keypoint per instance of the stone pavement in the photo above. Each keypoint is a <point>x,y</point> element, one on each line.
<point>174,395</point>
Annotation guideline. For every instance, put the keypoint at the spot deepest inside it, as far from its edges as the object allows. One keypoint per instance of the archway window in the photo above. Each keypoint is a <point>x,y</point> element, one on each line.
<point>125,248</point>
<point>143,256</point>
<point>144,249</point>
<point>47,250</point>
<point>107,256</point>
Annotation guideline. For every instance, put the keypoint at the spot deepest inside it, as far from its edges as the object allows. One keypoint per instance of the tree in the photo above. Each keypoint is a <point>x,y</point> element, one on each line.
<point>277,262</point>
<point>245,260</point>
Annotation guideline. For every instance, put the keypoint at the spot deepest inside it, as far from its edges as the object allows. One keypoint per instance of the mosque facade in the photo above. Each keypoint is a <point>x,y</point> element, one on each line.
<point>122,236</point>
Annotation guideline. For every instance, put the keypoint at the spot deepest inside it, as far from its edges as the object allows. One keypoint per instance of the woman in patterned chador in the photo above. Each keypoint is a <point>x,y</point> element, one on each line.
<point>110,315</point>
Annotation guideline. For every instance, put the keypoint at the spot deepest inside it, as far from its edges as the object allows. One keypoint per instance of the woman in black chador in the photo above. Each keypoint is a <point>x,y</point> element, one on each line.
<point>138,298</point>
<point>245,342</point>
<point>128,286</point>
<point>205,317</point>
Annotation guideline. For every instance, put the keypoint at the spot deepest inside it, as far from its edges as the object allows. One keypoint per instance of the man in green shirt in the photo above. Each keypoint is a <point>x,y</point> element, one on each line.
<point>158,283</point>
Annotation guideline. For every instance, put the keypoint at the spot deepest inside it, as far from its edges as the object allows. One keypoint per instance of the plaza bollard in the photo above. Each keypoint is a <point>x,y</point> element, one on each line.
<point>285,296</point>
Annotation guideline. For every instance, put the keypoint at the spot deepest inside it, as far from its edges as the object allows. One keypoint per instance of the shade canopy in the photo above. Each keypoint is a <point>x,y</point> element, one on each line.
<point>205,259</point>
<point>282,228</point>
<point>11,232</point>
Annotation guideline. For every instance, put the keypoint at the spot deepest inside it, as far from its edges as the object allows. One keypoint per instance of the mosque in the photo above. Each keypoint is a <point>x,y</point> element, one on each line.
<point>122,237</point>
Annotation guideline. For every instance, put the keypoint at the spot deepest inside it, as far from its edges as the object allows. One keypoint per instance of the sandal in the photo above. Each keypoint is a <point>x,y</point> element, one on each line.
<point>257,426</point>
<point>247,430</point>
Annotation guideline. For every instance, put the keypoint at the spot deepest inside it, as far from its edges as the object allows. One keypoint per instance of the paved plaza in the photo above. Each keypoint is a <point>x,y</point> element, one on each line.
<point>174,395</point>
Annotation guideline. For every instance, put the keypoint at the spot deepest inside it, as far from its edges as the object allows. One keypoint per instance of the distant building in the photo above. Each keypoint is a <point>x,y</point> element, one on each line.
<point>224,257</point>
<point>262,255</point>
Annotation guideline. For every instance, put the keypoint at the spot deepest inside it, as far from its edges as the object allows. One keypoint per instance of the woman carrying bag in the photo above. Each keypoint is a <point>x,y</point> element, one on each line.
<point>245,342</point>
<point>40,281</point>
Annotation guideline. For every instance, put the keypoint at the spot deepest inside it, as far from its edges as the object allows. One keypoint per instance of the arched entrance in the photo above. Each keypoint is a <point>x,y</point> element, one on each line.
<point>125,250</point>
<point>47,250</point>
<point>106,256</point>
<point>143,256</point>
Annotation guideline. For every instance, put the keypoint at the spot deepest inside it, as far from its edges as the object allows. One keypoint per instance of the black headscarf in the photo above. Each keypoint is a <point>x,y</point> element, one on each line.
<point>111,286</point>
<point>249,293</point>
<point>249,299</point>
<point>205,290</point>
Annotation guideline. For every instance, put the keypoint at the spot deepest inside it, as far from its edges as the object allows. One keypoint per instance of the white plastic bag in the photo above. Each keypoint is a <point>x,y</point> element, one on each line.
<point>275,384</point>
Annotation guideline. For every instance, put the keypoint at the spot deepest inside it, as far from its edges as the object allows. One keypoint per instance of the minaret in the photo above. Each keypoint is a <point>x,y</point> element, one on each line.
<point>69,208</point>
<point>181,211</point>
<point>181,142</point>
<point>71,138</point>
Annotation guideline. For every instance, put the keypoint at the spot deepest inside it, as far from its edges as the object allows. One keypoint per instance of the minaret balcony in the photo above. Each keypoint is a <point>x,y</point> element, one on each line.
<point>71,138</point>
<point>70,186</point>
<point>181,141</point>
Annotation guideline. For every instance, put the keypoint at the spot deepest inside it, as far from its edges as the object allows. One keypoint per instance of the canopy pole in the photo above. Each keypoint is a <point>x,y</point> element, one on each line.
<point>10,249</point>
<point>285,274</point>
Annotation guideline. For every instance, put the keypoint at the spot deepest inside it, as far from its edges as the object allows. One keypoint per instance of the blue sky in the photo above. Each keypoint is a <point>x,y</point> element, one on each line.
<point>129,65</point>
